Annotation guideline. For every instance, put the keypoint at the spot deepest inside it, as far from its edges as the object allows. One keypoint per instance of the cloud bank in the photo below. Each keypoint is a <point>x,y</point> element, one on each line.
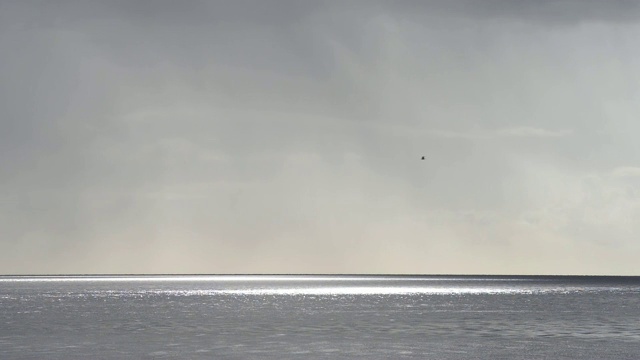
<point>285,137</point>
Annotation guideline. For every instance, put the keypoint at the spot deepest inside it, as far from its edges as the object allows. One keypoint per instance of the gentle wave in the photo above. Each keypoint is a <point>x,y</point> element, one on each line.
<point>339,291</point>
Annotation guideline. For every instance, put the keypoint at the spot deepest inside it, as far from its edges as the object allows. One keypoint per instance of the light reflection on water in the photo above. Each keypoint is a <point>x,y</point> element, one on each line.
<point>360,290</point>
<point>284,317</point>
<point>318,285</point>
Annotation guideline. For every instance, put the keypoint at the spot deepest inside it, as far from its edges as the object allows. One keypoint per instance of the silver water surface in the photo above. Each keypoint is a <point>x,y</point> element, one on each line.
<point>314,317</point>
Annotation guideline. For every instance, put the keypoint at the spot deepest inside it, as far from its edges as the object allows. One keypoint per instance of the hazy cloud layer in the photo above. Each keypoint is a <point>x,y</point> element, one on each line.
<point>286,136</point>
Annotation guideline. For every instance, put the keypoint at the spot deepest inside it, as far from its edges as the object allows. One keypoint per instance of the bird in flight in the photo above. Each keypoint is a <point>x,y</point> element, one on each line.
<point>423,158</point>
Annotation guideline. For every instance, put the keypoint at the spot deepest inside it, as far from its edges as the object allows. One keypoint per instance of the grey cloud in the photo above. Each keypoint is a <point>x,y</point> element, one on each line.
<point>532,132</point>
<point>247,136</point>
<point>517,132</point>
<point>548,12</point>
<point>626,171</point>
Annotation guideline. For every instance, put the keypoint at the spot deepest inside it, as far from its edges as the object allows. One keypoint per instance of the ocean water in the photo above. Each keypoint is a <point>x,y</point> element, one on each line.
<point>319,317</point>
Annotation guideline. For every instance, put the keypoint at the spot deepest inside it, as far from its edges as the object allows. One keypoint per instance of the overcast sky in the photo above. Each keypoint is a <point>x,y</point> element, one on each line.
<point>285,137</point>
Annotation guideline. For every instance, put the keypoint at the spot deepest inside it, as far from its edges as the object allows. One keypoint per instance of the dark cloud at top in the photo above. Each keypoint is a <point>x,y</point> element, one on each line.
<point>547,12</point>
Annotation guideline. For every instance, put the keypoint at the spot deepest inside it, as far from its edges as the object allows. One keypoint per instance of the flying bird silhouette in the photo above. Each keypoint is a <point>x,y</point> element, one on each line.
<point>422,158</point>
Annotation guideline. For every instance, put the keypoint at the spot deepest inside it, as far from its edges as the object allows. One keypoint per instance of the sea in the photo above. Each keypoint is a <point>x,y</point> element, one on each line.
<point>319,317</point>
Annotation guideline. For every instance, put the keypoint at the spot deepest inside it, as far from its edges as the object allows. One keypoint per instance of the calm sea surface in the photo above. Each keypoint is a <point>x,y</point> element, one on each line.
<point>319,317</point>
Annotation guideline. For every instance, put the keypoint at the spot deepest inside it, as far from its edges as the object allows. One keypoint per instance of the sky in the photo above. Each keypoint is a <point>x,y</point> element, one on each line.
<point>286,137</point>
